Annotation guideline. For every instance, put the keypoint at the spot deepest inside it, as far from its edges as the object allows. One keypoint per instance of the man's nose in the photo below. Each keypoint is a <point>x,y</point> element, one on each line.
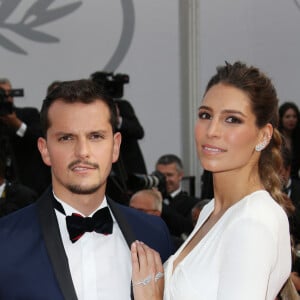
<point>82,149</point>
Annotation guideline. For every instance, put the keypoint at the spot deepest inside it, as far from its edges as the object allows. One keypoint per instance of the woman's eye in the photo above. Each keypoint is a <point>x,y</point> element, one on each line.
<point>204,115</point>
<point>233,120</point>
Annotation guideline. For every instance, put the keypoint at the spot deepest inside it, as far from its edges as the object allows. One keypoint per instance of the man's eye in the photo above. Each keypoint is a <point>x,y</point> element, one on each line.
<point>65,138</point>
<point>96,136</point>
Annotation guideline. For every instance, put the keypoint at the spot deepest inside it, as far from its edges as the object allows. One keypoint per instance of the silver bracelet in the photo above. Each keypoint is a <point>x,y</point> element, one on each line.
<point>143,282</point>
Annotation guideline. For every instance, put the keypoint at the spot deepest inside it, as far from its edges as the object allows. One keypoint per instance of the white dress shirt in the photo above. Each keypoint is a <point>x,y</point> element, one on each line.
<point>100,264</point>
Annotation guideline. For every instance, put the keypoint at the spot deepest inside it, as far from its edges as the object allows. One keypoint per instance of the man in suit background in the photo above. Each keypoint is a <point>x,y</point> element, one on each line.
<point>51,249</point>
<point>177,204</point>
<point>21,127</point>
<point>150,202</point>
<point>13,196</point>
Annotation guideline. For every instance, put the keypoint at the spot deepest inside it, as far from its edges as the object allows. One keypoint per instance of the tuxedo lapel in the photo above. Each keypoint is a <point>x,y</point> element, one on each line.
<point>54,245</point>
<point>122,222</point>
<point>124,226</point>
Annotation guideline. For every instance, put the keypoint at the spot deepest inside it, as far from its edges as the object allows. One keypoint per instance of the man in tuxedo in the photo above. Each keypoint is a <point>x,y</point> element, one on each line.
<point>73,243</point>
<point>177,205</point>
<point>21,127</point>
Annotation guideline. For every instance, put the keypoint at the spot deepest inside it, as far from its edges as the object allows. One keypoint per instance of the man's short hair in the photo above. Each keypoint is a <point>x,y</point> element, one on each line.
<point>4,81</point>
<point>77,91</point>
<point>170,159</point>
<point>156,196</point>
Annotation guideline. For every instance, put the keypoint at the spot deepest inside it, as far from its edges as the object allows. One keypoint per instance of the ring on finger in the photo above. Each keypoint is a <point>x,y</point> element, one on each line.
<point>158,276</point>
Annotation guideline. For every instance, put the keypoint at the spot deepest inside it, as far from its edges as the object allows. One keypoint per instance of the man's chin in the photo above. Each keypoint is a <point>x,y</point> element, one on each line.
<point>83,190</point>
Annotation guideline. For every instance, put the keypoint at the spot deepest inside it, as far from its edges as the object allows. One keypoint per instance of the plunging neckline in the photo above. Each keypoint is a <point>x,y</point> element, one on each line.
<point>209,207</point>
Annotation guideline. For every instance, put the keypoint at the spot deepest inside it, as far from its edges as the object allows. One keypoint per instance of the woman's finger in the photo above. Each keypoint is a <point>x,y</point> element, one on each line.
<point>135,262</point>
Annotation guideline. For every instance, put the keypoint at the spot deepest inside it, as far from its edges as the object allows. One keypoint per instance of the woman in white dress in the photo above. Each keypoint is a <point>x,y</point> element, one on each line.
<point>240,246</point>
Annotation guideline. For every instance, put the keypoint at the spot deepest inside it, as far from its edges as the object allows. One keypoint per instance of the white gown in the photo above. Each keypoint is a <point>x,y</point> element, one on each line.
<point>246,255</point>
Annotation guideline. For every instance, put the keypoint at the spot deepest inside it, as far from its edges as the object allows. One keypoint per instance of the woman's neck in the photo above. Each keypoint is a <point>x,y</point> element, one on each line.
<point>231,188</point>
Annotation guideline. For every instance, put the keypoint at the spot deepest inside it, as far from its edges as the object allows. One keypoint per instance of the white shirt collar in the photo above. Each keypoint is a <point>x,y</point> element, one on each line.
<point>175,193</point>
<point>69,209</point>
<point>2,187</point>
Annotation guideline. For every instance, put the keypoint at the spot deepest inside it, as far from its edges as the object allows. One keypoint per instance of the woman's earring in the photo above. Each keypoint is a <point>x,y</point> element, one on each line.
<point>259,147</point>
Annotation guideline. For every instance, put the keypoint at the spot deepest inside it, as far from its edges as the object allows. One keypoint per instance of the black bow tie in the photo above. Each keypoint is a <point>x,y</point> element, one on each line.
<point>77,225</point>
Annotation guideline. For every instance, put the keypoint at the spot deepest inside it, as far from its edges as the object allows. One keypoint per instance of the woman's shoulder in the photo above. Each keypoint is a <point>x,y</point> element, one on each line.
<point>261,207</point>
<point>262,200</point>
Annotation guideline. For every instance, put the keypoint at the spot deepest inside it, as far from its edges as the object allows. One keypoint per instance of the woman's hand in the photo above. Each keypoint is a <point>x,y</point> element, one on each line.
<point>147,273</point>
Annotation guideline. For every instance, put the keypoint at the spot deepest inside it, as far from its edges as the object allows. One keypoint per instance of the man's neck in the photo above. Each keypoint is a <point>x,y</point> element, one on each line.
<point>85,204</point>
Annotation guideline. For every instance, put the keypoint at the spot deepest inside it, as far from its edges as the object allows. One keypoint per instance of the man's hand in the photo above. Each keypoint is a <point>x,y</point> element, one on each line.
<point>11,120</point>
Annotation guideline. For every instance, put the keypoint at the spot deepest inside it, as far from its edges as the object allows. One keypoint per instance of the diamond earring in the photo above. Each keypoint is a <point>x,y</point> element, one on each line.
<point>259,147</point>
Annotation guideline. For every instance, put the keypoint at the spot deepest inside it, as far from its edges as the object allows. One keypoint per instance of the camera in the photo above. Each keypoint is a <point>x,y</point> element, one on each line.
<point>138,181</point>
<point>6,107</point>
<point>113,84</point>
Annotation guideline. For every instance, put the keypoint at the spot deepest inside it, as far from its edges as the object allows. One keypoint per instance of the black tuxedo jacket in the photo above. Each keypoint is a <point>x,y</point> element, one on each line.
<point>28,166</point>
<point>33,262</point>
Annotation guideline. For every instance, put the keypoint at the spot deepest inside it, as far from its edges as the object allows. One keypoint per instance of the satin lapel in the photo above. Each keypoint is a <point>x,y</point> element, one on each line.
<point>124,226</point>
<point>54,245</point>
<point>122,222</point>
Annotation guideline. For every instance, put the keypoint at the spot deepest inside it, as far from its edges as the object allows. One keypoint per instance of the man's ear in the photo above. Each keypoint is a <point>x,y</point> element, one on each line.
<point>181,174</point>
<point>116,146</point>
<point>42,146</point>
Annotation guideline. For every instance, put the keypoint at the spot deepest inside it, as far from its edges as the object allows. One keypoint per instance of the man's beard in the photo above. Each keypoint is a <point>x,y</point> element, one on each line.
<point>77,189</point>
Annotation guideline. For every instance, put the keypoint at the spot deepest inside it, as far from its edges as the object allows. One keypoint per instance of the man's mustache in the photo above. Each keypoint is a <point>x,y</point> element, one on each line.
<point>83,162</point>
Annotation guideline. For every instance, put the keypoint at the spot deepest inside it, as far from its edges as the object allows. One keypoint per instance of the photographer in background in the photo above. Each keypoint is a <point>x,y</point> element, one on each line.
<point>177,205</point>
<point>131,159</point>
<point>21,128</point>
